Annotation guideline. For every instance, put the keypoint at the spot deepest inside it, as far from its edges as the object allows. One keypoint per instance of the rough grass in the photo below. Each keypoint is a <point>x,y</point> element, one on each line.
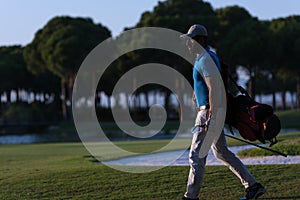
<point>289,144</point>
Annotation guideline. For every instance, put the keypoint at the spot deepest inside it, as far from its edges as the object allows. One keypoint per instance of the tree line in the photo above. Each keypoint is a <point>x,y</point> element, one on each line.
<point>42,73</point>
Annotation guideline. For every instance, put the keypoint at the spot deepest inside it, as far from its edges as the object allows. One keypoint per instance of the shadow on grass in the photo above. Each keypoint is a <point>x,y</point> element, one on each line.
<point>91,158</point>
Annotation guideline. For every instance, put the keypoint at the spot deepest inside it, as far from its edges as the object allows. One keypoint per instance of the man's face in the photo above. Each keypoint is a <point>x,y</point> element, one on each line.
<point>193,46</point>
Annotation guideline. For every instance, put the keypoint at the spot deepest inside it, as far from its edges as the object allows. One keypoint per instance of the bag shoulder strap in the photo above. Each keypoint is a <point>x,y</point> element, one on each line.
<point>240,88</point>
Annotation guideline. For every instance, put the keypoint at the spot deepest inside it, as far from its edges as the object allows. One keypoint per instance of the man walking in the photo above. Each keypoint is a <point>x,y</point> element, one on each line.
<point>203,74</point>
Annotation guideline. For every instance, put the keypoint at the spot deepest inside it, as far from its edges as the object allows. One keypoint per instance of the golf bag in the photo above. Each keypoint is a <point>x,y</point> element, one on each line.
<point>253,120</point>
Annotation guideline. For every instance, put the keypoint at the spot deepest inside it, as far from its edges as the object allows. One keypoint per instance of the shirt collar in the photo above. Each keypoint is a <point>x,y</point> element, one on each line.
<point>202,53</point>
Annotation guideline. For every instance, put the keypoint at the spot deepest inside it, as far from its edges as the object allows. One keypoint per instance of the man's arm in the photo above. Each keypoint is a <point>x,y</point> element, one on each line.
<point>212,92</point>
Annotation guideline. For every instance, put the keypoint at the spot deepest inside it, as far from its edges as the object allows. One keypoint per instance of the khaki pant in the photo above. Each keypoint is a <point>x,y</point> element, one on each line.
<point>221,152</point>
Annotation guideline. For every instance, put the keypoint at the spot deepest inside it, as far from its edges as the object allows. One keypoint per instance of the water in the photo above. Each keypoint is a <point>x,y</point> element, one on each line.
<point>32,138</point>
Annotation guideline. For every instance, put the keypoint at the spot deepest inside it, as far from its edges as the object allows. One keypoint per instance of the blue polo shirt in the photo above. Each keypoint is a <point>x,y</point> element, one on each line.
<point>203,67</point>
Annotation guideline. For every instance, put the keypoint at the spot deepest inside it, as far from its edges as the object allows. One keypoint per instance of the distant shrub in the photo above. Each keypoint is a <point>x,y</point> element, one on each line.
<point>28,113</point>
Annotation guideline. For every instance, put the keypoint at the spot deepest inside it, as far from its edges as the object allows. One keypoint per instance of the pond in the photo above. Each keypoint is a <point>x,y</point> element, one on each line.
<point>32,138</point>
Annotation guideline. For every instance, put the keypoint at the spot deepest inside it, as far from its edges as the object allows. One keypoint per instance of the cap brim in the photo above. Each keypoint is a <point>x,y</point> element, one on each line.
<point>184,36</point>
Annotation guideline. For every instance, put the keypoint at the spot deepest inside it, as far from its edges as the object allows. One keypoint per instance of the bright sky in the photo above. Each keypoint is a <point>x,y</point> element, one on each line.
<point>20,19</point>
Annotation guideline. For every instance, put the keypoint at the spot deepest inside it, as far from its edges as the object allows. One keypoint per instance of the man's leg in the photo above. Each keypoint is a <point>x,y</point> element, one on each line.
<point>222,152</point>
<point>197,165</point>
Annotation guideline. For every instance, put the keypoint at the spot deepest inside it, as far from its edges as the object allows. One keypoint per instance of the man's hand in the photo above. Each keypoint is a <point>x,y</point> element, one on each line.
<point>208,119</point>
<point>194,98</point>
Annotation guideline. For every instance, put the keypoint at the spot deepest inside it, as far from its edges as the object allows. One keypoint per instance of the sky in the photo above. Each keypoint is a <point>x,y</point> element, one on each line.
<point>21,19</point>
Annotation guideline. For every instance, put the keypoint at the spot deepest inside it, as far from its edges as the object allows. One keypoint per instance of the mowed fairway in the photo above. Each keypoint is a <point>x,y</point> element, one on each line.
<point>66,171</point>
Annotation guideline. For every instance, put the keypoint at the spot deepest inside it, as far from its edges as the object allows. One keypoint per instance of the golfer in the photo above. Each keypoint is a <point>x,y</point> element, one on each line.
<point>203,88</point>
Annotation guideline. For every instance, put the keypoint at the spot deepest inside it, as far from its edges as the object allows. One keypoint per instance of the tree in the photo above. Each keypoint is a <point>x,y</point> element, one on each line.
<point>228,18</point>
<point>243,44</point>
<point>61,46</point>
<point>180,15</point>
<point>176,15</point>
<point>13,72</point>
<point>292,41</point>
<point>283,49</point>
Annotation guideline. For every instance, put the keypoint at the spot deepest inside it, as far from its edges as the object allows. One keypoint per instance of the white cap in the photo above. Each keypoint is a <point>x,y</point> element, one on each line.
<point>194,30</point>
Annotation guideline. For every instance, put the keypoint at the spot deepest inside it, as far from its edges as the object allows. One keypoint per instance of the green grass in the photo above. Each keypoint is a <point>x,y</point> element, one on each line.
<point>107,151</point>
<point>65,171</point>
<point>289,143</point>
